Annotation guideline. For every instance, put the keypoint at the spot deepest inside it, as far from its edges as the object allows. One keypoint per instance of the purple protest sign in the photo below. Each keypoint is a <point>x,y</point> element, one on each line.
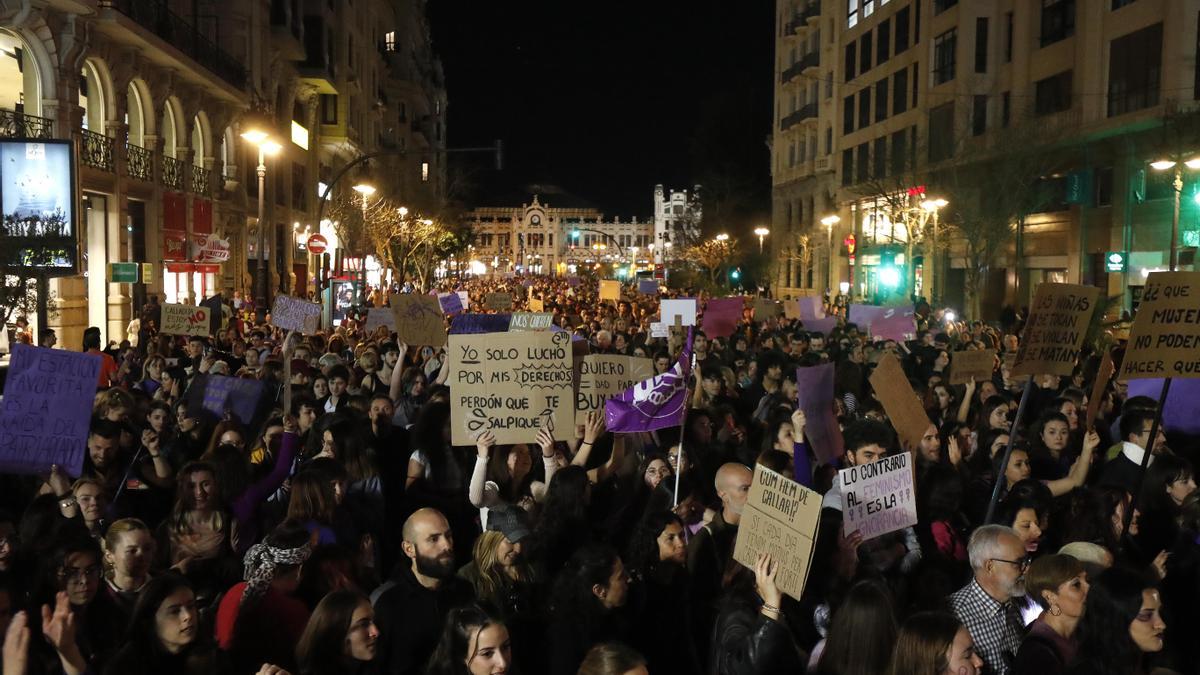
<point>573,281</point>
<point>811,307</point>
<point>451,303</point>
<point>648,286</point>
<point>721,316</point>
<point>1181,414</point>
<point>814,390</point>
<point>656,403</point>
<point>823,325</point>
<point>864,315</point>
<point>897,323</point>
<point>47,408</point>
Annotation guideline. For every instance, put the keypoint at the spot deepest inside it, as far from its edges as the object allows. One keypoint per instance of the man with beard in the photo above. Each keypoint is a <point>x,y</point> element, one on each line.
<point>985,606</point>
<point>410,614</point>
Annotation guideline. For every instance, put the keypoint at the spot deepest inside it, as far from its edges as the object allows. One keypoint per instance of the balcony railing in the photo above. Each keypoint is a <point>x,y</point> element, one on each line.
<point>15,124</point>
<point>139,162</point>
<point>804,112</point>
<point>155,16</point>
<point>172,173</point>
<point>201,180</point>
<point>809,60</point>
<point>96,150</point>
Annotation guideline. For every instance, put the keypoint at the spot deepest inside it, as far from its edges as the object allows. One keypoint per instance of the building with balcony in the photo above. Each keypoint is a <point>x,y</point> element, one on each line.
<point>917,92</point>
<point>677,216</point>
<point>155,95</point>
<point>559,237</point>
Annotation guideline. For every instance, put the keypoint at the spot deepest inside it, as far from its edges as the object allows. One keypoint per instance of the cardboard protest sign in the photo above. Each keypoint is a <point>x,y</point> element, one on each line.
<point>536,305</point>
<point>219,396</point>
<point>896,323</point>
<point>1103,375</point>
<point>186,320</point>
<point>1057,325</point>
<point>511,384</point>
<point>218,313</point>
<point>823,325</point>
<point>899,401</point>
<point>380,316</point>
<point>722,315</point>
<point>791,309</point>
<point>291,313</point>
<point>1181,410</point>
<point>47,409</point>
<point>610,290</point>
<point>602,376</point>
<point>470,324</point>
<point>811,307</point>
<point>879,497</point>
<point>464,298</point>
<point>500,302</point>
<point>766,308</point>
<point>659,329</point>
<point>530,321</point>
<point>780,518</point>
<point>1006,363</point>
<point>450,303</point>
<point>419,319</point>
<point>648,286</point>
<point>814,391</point>
<point>1165,338</point>
<point>683,309</point>
<point>973,363</point>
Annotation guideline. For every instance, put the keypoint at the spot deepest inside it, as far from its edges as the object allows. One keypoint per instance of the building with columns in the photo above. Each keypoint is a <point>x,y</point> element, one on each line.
<point>677,217</point>
<point>156,96</point>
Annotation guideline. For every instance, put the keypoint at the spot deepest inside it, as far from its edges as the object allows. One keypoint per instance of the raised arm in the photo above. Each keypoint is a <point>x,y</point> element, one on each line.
<point>396,389</point>
<point>592,429</point>
<point>1079,469</point>
<point>483,447</point>
<point>964,408</point>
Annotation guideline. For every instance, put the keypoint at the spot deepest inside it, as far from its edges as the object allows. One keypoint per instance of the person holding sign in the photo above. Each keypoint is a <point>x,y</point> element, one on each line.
<point>750,635</point>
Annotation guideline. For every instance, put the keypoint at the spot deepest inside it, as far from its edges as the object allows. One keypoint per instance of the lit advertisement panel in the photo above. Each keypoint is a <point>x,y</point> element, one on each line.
<point>38,208</point>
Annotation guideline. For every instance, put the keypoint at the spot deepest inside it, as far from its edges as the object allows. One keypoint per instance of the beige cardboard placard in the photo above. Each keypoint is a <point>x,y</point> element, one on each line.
<point>899,401</point>
<point>602,376</point>
<point>610,290</point>
<point>1165,338</point>
<point>791,309</point>
<point>976,363</point>
<point>780,518</point>
<point>766,308</point>
<point>879,497</point>
<point>536,305</point>
<point>1102,377</point>
<point>291,313</point>
<point>185,320</point>
<point>500,302</point>
<point>1057,326</point>
<point>511,384</point>
<point>418,319</point>
<point>380,316</point>
<point>530,321</point>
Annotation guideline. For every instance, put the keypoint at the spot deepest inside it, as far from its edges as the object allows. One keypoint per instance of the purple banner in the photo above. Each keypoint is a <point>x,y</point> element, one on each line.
<point>721,316</point>
<point>814,391</point>
<point>47,409</point>
<point>656,403</point>
<point>1182,411</point>
<point>823,325</point>
<point>480,323</point>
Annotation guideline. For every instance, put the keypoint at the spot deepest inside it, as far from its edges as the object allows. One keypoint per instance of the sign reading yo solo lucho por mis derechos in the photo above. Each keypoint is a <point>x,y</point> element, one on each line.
<point>1165,338</point>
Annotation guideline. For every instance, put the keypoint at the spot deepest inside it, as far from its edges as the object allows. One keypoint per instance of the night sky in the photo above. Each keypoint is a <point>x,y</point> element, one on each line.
<point>606,99</point>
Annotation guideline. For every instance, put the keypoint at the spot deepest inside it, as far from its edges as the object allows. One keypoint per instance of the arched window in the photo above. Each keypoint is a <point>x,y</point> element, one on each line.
<point>20,88</point>
<point>91,98</point>
<point>135,115</point>
<point>199,141</point>
<point>169,132</point>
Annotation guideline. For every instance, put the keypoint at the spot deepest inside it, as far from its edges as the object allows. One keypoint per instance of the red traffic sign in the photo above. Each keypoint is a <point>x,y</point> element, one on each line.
<point>317,244</point>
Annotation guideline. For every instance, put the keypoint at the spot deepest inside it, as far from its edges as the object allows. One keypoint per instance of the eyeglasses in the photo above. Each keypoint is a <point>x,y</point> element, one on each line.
<point>1022,564</point>
<point>79,573</point>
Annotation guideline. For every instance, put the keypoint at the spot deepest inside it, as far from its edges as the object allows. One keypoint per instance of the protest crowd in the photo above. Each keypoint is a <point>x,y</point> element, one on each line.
<point>272,497</point>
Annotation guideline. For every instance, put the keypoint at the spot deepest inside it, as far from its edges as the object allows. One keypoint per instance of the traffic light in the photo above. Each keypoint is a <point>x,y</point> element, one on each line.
<point>889,274</point>
<point>735,274</point>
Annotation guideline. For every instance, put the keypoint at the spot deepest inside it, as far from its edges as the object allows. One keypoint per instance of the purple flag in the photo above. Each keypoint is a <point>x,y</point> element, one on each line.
<point>814,389</point>
<point>656,403</point>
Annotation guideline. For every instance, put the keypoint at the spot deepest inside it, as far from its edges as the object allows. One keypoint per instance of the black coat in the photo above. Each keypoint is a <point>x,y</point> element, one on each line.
<point>410,619</point>
<point>747,643</point>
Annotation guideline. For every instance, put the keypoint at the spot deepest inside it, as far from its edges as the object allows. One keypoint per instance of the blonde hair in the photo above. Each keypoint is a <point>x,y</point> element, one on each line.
<point>492,579</point>
<point>111,399</point>
<point>113,537</point>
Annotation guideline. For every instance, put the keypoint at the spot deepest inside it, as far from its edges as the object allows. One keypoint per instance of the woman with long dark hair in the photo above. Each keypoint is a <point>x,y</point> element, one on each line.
<point>1169,480</point>
<point>340,638</point>
<point>1121,625</point>
<point>934,643</point>
<point>564,526</point>
<point>750,635</point>
<point>659,604</point>
<point>862,633</point>
<point>473,642</point>
<point>164,634</point>
<point>584,606</point>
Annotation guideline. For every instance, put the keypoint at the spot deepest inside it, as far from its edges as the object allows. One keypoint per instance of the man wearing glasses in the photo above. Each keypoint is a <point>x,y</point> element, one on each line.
<point>985,606</point>
<point>1125,469</point>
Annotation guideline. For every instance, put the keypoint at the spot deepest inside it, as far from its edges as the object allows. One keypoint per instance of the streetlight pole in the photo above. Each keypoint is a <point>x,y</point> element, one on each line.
<point>1177,164</point>
<point>933,257</point>
<point>761,232</point>
<point>829,222</point>
<point>266,146</point>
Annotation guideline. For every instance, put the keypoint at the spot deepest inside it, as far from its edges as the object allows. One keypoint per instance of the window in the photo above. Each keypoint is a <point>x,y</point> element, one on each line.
<point>852,14</point>
<point>880,160</point>
<point>944,47</point>
<point>978,115</point>
<point>1008,30</point>
<point>851,63</point>
<point>1058,20</point>
<point>883,43</point>
<point>847,167</point>
<point>902,18</point>
<point>828,140</point>
<point>916,79</point>
<point>864,108</point>
<point>940,6</point>
<point>1135,71</point>
<point>848,114</point>
<point>899,152</point>
<point>900,91</point>
<point>1053,94</point>
<point>1005,109</point>
<point>881,100</point>
<point>941,144</point>
<point>917,23</point>
<point>1118,4</point>
<point>424,172</point>
<point>389,41</point>
<point>329,109</point>
<point>791,155</point>
<point>1103,186</point>
<point>981,44</point>
<point>863,163</point>
<point>864,52</point>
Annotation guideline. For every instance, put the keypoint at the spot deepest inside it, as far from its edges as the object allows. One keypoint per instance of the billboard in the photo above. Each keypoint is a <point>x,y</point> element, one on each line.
<point>38,206</point>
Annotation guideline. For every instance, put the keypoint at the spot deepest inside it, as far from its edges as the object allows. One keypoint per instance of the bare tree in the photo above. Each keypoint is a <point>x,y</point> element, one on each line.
<point>713,256</point>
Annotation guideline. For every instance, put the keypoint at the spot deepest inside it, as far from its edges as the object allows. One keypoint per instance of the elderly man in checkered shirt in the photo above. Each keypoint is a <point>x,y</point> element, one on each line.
<point>986,606</point>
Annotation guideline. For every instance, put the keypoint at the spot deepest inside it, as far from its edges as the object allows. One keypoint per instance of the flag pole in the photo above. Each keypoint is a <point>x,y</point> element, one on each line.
<point>687,403</point>
<point>1012,437</point>
<point>1155,426</point>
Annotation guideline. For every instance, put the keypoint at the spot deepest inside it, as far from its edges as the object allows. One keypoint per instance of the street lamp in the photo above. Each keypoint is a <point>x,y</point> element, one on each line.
<point>1164,165</point>
<point>933,207</point>
<point>266,147</point>
<point>829,221</point>
<point>722,237</point>
<point>761,232</point>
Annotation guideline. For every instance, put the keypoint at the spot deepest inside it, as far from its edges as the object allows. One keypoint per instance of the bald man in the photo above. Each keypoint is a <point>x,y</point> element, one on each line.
<point>423,589</point>
<point>711,548</point>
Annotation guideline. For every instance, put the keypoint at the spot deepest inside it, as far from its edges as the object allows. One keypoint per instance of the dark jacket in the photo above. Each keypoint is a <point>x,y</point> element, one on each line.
<point>744,642</point>
<point>708,554</point>
<point>410,619</point>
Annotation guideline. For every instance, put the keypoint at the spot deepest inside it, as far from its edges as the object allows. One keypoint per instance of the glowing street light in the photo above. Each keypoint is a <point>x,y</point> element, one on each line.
<point>267,147</point>
<point>722,237</point>
<point>933,207</point>
<point>761,232</point>
<point>1164,165</point>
